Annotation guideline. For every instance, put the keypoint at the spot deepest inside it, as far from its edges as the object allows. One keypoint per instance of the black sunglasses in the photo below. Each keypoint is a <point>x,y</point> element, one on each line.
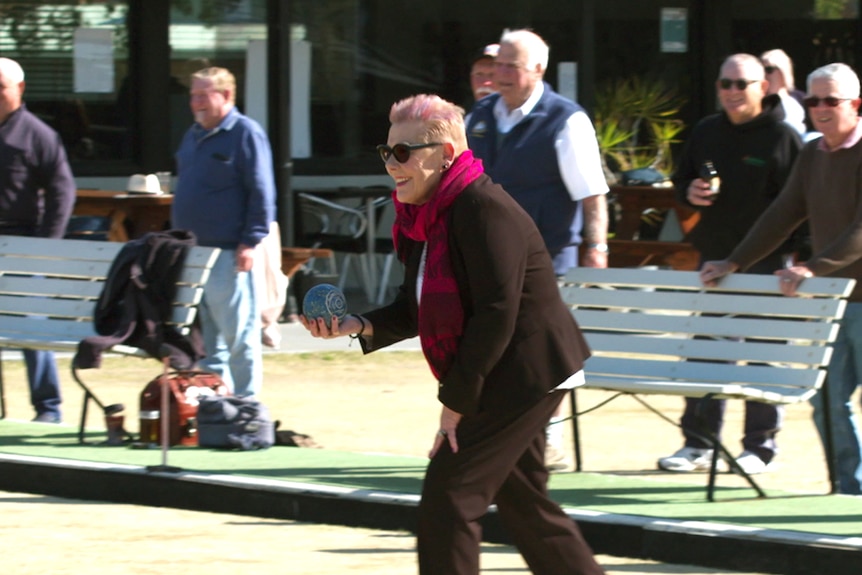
<point>401,151</point>
<point>726,83</point>
<point>831,101</point>
<point>770,69</point>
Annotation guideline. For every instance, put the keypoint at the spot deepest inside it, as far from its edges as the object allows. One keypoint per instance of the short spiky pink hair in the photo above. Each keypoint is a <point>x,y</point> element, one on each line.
<point>443,120</point>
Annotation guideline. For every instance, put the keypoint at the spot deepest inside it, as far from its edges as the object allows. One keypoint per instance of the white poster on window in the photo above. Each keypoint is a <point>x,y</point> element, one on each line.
<point>256,89</point>
<point>93,54</point>
<point>300,99</point>
<point>567,80</point>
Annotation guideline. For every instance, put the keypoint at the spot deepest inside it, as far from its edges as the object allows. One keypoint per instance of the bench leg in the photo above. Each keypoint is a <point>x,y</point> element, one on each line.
<point>576,432</point>
<point>2,391</point>
<point>719,450</point>
<point>828,440</point>
<point>88,395</point>
<point>106,410</point>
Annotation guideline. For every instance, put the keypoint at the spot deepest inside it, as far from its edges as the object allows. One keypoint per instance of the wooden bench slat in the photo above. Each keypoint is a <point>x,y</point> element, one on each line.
<point>643,369</point>
<point>75,309</point>
<point>722,350</point>
<point>56,268</point>
<point>680,280</point>
<point>70,249</point>
<point>50,287</point>
<point>89,270</point>
<point>702,389</point>
<point>77,289</point>
<point>703,303</point>
<point>763,328</point>
<point>16,326</point>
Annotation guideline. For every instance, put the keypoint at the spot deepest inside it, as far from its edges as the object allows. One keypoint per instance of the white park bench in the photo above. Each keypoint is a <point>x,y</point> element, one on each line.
<point>661,332</point>
<point>48,293</point>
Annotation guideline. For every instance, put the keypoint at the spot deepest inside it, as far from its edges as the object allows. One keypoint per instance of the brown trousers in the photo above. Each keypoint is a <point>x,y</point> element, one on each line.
<point>500,460</point>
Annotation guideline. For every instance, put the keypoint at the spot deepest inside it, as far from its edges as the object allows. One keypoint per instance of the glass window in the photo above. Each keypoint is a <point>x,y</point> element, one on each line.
<point>211,34</point>
<point>354,58</point>
<point>812,33</point>
<point>75,57</point>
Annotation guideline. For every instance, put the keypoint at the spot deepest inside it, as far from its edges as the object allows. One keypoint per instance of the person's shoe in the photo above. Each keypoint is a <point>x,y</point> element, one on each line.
<point>688,459</point>
<point>752,464</point>
<point>556,460</point>
<point>47,418</point>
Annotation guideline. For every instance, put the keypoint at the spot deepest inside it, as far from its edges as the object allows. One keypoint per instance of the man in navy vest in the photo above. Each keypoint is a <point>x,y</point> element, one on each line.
<point>542,148</point>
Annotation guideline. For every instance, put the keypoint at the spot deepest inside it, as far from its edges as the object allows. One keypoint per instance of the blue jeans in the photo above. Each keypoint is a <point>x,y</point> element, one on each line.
<point>230,324</point>
<point>843,377</point>
<point>44,381</point>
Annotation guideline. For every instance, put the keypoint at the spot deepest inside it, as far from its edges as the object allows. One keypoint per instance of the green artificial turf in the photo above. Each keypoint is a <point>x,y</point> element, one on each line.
<point>824,514</point>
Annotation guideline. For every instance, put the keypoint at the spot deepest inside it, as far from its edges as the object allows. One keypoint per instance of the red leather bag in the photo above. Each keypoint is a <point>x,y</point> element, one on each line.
<point>186,388</point>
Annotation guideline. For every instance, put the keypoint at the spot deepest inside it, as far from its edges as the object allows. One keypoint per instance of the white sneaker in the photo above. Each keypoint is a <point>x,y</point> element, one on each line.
<point>687,459</point>
<point>555,459</point>
<point>751,463</point>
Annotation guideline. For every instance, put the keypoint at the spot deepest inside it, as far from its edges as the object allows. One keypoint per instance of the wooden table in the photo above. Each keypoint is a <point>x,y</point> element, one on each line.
<point>627,250</point>
<point>294,258</point>
<point>132,215</point>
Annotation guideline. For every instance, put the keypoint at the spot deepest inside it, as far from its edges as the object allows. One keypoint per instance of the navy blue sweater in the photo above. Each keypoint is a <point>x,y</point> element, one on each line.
<point>37,190</point>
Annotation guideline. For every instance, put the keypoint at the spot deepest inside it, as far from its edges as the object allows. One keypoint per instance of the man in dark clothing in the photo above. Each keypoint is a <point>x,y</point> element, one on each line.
<point>752,150</point>
<point>37,193</point>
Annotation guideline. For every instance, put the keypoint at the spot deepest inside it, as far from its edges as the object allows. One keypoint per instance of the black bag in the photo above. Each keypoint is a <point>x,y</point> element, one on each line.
<point>234,422</point>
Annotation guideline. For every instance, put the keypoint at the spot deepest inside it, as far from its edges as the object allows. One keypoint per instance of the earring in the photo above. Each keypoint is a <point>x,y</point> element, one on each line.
<point>445,165</point>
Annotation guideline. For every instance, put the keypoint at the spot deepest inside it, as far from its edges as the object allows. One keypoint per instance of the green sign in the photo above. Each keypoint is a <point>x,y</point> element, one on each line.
<point>674,30</point>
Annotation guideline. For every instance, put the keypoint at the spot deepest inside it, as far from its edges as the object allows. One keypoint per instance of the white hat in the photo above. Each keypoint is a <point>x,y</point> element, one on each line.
<point>144,184</point>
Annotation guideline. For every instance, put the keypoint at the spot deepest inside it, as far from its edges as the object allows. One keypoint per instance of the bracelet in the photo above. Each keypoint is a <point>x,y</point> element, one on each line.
<point>361,330</point>
<point>598,246</point>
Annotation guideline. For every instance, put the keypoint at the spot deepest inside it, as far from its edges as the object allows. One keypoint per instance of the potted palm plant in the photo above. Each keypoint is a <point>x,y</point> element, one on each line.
<point>637,121</point>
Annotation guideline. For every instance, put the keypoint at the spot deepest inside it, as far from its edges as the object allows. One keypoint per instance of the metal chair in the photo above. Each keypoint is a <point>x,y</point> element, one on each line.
<point>340,228</point>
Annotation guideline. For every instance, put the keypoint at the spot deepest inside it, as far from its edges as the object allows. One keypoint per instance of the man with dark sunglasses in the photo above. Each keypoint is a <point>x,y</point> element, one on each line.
<point>825,190</point>
<point>752,151</point>
<point>542,149</point>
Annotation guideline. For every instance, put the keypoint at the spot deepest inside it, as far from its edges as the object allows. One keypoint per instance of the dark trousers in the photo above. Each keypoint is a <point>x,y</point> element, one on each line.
<point>762,423</point>
<point>500,460</point>
<point>44,381</point>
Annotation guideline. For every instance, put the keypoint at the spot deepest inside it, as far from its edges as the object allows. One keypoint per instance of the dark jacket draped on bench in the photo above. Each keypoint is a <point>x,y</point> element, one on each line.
<point>134,307</point>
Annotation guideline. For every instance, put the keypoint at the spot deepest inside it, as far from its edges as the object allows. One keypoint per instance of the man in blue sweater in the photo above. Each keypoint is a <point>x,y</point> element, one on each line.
<point>225,194</point>
<point>542,148</point>
<point>37,193</point>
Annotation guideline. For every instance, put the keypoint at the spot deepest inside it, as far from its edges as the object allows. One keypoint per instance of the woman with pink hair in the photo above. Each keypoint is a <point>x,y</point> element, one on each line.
<point>481,294</point>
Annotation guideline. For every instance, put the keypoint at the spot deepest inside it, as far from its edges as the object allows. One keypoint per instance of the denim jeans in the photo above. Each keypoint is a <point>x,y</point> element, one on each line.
<point>843,377</point>
<point>230,323</point>
<point>44,381</point>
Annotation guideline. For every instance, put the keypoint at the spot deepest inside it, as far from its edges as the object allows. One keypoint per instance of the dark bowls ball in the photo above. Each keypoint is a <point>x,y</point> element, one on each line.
<point>326,301</point>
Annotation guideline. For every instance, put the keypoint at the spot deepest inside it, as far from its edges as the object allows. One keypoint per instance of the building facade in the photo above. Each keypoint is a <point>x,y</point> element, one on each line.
<point>112,76</point>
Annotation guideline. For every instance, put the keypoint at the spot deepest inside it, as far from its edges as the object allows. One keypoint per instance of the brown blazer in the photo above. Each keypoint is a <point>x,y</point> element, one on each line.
<point>519,339</point>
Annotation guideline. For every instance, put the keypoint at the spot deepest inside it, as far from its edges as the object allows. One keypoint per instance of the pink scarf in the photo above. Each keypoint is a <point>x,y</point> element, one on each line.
<point>441,316</point>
